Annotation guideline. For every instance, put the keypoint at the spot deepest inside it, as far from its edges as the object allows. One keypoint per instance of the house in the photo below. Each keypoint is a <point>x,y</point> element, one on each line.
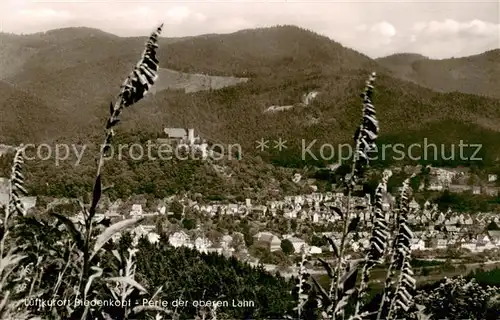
<point>490,191</point>
<point>452,220</point>
<point>225,242</point>
<point>365,243</point>
<point>176,135</point>
<point>483,238</point>
<point>458,188</point>
<point>202,244</point>
<point>315,217</point>
<point>315,250</point>
<point>297,243</point>
<point>136,210</point>
<point>468,221</point>
<point>260,209</point>
<point>309,97</point>
<point>278,108</point>
<point>296,178</point>
<point>232,208</point>
<point>494,237</point>
<point>267,240</point>
<point>442,244</point>
<point>153,237</point>
<point>355,246</point>
<point>492,177</point>
<point>162,209</point>
<point>431,244</point>
<point>441,218</point>
<point>180,136</point>
<point>146,231</point>
<point>483,242</point>
<point>215,248</point>
<point>451,229</point>
<point>414,205</point>
<point>417,244</point>
<point>179,239</point>
<point>442,177</point>
<point>290,214</point>
<point>469,245</point>
<point>476,190</point>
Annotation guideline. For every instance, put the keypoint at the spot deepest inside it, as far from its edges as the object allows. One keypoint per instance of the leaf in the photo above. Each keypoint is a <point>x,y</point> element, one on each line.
<point>106,188</point>
<point>96,195</point>
<point>348,281</point>
<point>353,225</point>
<point>129,281</point>
<point>117,255</point>
<point>338,211</point>
<point>324,295</point>
<point>110,231</point>
<point>33,221</point>
<point>106,316</point>
<point>111,123</point>
<point>333,246</point>
<point>106,222</point>
<point>77,236</point>
<point>4,301</point>
<point>327,267</point>
<point>98,273</point>
<point>343,302</point>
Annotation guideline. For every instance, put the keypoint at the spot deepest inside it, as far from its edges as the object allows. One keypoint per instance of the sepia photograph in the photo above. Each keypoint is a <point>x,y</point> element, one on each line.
<point>220,160</point>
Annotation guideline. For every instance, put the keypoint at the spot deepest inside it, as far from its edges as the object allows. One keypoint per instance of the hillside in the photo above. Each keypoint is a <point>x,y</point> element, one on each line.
<point>78,76</point>
<point>478,74</point>
<point>401,64</point>
<point>263,51</point>
<point>21,114</point>
<point>401,106</point>
<point>282,63</point>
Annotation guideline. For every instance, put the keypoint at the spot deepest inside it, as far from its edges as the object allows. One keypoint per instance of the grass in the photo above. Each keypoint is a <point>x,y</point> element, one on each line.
<point>192,82</point>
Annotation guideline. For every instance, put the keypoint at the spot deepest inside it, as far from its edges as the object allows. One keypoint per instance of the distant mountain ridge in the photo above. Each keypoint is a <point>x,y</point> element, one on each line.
<point>477,74</point>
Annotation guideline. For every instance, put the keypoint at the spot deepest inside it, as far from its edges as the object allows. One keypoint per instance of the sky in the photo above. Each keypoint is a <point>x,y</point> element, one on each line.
<point>436,29</point>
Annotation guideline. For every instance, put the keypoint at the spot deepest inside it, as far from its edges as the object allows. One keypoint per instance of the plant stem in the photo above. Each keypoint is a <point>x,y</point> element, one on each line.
<point>345,229</point>
<point>398,284</point>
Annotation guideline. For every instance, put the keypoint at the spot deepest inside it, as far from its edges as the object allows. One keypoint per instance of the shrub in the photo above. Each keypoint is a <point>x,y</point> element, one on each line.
<point>287,247</point>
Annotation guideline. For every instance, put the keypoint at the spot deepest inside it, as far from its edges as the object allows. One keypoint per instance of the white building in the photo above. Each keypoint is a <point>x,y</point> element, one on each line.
<point>136,210</point>
<point>417,244</point>
<point>180,239</point>
<point>202,244</point>
<point>297,243</point>
<point>225,242</point>
<point>315,250</point>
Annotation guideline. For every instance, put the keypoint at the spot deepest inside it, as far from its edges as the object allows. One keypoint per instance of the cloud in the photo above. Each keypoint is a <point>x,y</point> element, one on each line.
<point>31,19</point>
<point>449,27</point>
<point>449,37</point>
<point>384,28</point>
<point>178,14</point>
<point>374,39</point>
<point>43,15</point>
